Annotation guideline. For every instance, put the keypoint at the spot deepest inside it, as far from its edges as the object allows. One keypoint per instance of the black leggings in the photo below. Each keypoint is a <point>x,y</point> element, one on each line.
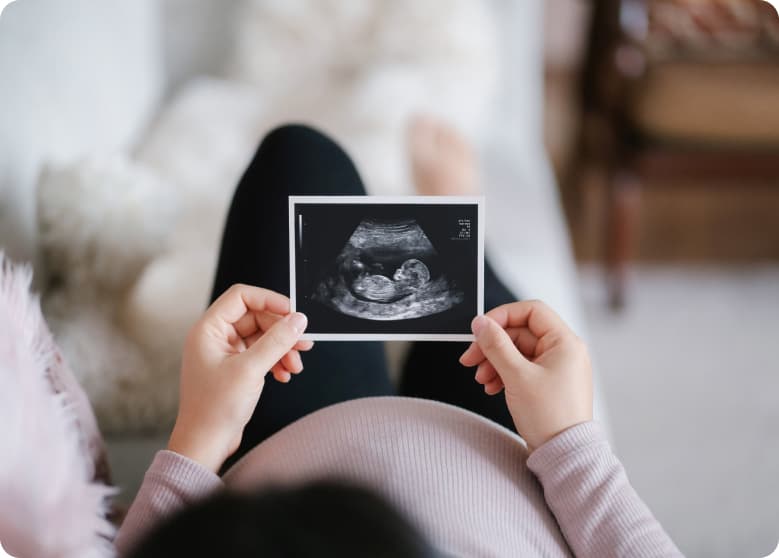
<point>297,160</point>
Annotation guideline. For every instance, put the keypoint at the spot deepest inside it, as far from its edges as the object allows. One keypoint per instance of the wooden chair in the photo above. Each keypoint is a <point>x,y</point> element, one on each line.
<point>675,89</point>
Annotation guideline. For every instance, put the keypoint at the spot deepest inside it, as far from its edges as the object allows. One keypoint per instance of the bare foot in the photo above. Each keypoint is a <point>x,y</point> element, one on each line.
<point>442,161</point>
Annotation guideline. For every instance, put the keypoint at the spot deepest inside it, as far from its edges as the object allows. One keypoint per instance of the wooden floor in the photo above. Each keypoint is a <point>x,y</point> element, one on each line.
<point>680,221</point>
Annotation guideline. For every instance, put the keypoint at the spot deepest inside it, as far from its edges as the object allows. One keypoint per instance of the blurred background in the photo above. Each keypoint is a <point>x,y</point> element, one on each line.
<point>629,154</point>
<point>661,120</point>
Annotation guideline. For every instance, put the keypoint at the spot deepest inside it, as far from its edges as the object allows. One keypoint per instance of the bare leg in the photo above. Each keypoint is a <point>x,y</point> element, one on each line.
<point>443,163</point>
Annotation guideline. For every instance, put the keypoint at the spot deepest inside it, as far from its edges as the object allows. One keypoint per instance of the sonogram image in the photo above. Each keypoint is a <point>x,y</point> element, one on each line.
<point>369,268</point>
<point>381,274</point>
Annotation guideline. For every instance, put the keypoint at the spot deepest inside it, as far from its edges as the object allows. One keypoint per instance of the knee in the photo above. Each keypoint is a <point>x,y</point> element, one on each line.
<point>296,159</point>
<point>291,138</point>
<point>277,160</point>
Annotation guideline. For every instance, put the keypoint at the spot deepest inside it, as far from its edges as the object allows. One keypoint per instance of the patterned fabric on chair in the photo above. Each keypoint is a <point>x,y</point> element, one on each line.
<point>712,72</point>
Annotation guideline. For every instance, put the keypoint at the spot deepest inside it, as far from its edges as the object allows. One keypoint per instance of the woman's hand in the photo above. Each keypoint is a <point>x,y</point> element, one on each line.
<point>245,333</point>
<point>527,349</point>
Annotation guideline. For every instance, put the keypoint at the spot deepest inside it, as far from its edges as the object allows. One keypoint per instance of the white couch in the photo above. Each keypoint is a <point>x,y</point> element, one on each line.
<point>87,76</point>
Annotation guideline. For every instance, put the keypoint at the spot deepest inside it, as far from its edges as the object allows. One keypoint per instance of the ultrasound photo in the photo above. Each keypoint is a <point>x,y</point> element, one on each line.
<point>368,268</point>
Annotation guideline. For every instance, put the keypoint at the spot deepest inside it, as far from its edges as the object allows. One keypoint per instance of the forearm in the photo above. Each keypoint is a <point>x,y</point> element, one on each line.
<point>599,512</point>
<point>171,483</point>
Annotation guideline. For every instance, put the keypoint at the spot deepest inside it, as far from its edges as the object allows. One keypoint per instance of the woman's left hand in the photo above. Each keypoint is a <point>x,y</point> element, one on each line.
<point>245,333</point>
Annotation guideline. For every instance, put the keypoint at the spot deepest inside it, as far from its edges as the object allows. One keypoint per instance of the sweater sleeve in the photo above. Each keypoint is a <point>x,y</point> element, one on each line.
<point>598,511</point>
<point>171,483</point>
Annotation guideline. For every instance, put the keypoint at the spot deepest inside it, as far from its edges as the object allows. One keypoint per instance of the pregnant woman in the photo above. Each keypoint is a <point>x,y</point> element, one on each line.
<point>330,461</point>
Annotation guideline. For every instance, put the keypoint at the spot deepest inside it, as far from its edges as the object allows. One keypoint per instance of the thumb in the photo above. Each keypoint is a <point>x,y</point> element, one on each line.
<point>499,348</point>
<point>275,343</point>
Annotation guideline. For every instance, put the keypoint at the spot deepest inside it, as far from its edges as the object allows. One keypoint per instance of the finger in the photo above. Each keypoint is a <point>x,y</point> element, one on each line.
<point>526,341</point>
<point>252,339</point>
<point>292,362</point>
<point>240,299</point>
<point>280,373</point>
<point>278,369</point>
<point>539,318</point>
<point>472,356</point>
<point>266,320</point>
<point>275,343</point>
<point>485,373</point>
<point>299,346</point>
<point>246,326</point>
<point>521,337</point>
<point>494,387</point>
<point>255,324</point>
<point>282,376</point>
<point>498,347</point>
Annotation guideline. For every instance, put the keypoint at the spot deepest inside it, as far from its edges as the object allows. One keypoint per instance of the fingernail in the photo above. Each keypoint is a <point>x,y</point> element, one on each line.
<point>298,321</point>
<point>478,324</point>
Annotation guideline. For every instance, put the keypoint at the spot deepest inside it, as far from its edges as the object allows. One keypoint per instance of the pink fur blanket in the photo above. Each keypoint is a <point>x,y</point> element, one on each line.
<point>50,449</point>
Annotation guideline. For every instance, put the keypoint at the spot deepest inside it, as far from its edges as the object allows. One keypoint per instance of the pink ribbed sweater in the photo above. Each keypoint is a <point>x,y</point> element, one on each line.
<point>467,482</point>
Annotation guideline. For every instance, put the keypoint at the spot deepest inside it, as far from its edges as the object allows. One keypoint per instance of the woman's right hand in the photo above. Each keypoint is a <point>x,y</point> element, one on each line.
<point>245,333</point>
<point>526,348</point>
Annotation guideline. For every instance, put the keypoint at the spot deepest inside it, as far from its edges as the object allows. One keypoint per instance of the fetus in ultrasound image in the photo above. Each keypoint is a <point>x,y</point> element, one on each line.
<point>387,270</point>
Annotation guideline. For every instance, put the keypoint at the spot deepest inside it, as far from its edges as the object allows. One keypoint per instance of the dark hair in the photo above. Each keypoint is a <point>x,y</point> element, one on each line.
<point>323,518</point>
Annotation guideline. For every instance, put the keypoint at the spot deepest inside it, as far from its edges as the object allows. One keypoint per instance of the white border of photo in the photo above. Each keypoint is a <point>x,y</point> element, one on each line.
<point>386,200</point>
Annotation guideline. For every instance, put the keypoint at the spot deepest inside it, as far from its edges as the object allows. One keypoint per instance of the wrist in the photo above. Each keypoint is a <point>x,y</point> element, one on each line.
<point>561,429</point>
<point>199,447</point>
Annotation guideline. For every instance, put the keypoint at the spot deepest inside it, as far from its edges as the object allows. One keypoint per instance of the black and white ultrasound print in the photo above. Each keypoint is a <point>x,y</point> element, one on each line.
<point>383,273</point>
<point>394,268</point>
